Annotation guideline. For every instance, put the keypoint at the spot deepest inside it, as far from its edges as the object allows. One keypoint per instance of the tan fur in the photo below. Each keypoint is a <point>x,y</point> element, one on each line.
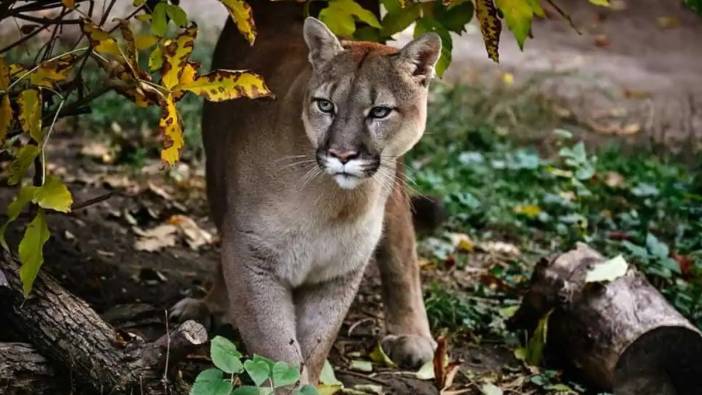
<point>295,246</point>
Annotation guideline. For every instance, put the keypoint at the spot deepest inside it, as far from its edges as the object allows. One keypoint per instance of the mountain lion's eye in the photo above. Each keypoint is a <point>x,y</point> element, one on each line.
<point>325,106</point>
<point>379,112</point>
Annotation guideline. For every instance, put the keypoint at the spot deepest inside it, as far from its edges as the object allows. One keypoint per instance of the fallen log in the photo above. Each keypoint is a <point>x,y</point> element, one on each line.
<point>64,329</point>
<point>621,336</point>
<point>24,371</point>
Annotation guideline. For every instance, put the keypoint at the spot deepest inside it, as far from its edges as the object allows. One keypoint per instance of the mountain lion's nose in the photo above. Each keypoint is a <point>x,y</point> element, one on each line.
<point>342,155</point>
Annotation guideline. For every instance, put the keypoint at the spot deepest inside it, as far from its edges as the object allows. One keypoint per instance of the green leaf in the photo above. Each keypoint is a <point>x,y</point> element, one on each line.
<point>285,374</point>
<point>455,18</point>
<point>211,382</point>
<point>24,158</point>
<point>247,390</point>
<point>397,21</point>
<point>607,271</point>
<point>306,390</point>
<point>656,247</point>
<point>379,356</point>
<point>426,371</point>
<point>31,250</point>
<point>225,355</point>
<point>340,16</point>
<point>156,58</point>
<point>534,352</point>
<point>54,195</point>
<point>159,24</point>
<point>177,14</point>
<point>327,375</point>
<point>259,371</point>
<point>602,3</point>
<point>360,365</point>
<point>24,196</point>
<point>518,14</point>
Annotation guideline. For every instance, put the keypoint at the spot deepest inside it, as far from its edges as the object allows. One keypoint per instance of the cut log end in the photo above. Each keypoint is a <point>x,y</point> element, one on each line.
<point>666,360</point>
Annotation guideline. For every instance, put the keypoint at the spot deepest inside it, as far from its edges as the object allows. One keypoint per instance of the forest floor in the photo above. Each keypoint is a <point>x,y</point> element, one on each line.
<point>503,151</point>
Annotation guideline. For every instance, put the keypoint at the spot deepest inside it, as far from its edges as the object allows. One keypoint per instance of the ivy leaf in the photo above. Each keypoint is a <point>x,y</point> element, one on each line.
<point>225,355</point>
<point>31,250</point>
<point>340,16</point>
<point>211,382</point>
<point>24,196</point>
<point>242,15</point>
<point>175,56</point>
<point>259,371</point>
<point>518,14</point>
<point>656,247</point>
<point>171,129</point>
<point>220,85</point>
<point>249,390</point>
<point>607,271</point>
<point>54,195</point>
<point>29,103</point>
<point>490,27</point>
<point>24,158</point>
<point>284,374</point>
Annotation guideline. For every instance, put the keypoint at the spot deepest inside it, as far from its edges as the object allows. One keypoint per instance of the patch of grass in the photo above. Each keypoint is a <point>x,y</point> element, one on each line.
<point>545,198</point>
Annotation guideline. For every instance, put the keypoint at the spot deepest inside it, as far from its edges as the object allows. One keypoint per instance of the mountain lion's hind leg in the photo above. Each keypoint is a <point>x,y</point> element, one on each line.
<point>409,342</point>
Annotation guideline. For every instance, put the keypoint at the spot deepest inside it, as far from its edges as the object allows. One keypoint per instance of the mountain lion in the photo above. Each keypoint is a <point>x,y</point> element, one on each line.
<point>307,188</point>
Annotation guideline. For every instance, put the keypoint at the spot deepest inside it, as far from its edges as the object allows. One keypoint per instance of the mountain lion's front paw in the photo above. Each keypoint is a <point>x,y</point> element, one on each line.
<point>409,351</point>
<point>191,309</point>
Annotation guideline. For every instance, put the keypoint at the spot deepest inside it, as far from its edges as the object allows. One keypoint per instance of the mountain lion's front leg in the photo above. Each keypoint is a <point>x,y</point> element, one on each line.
<point>260,306</point>
<point>321,309</point>
<point>409,342</point>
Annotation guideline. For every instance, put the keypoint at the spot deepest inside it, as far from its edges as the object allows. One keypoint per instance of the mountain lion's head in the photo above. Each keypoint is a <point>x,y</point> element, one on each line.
<point>366,102</point>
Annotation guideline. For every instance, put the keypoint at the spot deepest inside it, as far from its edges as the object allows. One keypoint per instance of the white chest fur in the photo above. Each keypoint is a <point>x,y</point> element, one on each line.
<point>316,251</point>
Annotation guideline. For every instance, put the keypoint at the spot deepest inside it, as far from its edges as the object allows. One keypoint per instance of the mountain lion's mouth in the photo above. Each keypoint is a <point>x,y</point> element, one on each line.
<point>346,180</point>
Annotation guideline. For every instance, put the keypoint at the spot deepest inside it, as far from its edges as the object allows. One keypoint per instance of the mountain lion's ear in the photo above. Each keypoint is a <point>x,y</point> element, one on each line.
<point>421,55</point>
<point>322,43</point>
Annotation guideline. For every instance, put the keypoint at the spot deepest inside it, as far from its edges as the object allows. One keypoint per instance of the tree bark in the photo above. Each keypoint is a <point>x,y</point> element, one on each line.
<point>68,332</point>
<point>621,336</point>
<point>24,371</point>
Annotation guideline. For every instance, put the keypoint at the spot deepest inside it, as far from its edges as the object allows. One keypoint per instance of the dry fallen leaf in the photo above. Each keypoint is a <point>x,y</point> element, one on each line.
<point>155,239</point>
<point>195,236</point>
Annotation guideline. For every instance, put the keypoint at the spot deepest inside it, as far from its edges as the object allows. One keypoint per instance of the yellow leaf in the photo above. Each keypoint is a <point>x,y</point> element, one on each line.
<point>186,78</point>
<point>172,131</point>
<point>69,3</point>
<point>100,40</point>
<point>144,41</point>
<point>379,356</point>
<point>50,72</point>
<point>156,59</point>
<point>175,56</point>
<point>220,85</point>
<point>242,15</point>
<point>24,196</point>
<point>4,75</point>
<point>54,195</point>
<point>29,103</point>
<point>31,250</point>
<point>24,158</point>
<point>490,26</point>
<point>5,116</point>
<point>528,210</point>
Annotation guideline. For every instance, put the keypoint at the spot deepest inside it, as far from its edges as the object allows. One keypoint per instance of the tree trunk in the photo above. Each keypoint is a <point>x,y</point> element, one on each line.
<point>68,332</point>
<point>24,371</point>
<point>621,336</point>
